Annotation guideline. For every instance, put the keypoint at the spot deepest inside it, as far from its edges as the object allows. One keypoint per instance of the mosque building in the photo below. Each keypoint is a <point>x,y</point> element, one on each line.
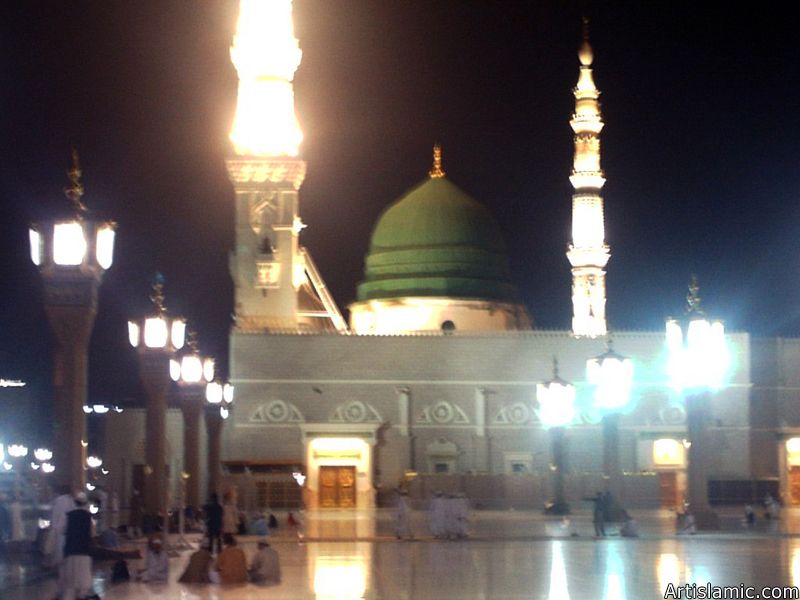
<point>431,384</point>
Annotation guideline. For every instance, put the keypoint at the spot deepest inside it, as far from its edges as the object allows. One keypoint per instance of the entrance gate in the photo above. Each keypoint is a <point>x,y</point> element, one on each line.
<point>337,487</point>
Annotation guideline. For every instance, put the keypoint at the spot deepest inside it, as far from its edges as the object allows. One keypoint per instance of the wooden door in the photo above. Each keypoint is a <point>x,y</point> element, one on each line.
<point>669,489</point>
<point>337,487</point>
<point>794,485</point>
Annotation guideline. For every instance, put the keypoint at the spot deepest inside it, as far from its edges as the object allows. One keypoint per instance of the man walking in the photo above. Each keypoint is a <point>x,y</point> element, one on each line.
<point>213,511</point>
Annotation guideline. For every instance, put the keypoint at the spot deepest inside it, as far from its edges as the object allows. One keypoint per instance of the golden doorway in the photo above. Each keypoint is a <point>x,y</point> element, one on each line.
<point>669,489</point>
<point>794,485</point>
<point>337,487</point>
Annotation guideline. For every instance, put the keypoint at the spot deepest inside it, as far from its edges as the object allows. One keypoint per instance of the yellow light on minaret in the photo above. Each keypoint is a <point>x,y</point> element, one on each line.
<point>588,254</point>
<point>266,55</point>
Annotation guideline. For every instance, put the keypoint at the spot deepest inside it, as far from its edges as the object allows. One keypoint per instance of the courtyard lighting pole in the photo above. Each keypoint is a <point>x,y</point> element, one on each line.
<point>72,254</point>
<point>156,339</point>
<point>698,360</point>
<point>556,411</point>
<point>219,400</point>
<point>611,374</point>
<point>17,452</point>
<point>192,372</point>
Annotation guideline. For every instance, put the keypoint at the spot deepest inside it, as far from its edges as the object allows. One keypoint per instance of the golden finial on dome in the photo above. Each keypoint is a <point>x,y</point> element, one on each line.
<point>436,171</point>
<point>585,54</point>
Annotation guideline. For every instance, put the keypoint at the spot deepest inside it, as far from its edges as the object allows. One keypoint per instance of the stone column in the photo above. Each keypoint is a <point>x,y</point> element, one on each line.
<point>611,468</point>
<point>697,417</point>
<point>191,402</point>
<point>154,375</point>
<point>559,506</point>
<point>71,306</point>
<point>214,423</point>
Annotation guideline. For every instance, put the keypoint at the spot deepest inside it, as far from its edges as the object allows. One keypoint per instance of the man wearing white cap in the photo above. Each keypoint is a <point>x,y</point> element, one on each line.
<point>77,574</point>
<point>266,565</point>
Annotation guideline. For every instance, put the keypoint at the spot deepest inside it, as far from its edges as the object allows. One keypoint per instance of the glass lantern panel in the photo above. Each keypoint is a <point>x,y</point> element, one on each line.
<point>191,368</point>
<point>155,332</point>
<point>227,393</point>
<point>178,333</point>
<point>36,246</point>
<point>224,412</point>
<point>614,386</point>
<point>105,246</point>
<point>133,333</point>
<point>556,404</point>
<point>69,244</point>
<point>174,370</point>
<point>214,392</point>
<point>208,369</point>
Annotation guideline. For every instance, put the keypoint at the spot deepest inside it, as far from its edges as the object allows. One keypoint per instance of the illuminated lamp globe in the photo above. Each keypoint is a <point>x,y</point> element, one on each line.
<point>93,462</point>
<point>42,454</point>
<point>158,331</point>
<point>612,376</point>
<point>556,402</point>
<point>17,451</point>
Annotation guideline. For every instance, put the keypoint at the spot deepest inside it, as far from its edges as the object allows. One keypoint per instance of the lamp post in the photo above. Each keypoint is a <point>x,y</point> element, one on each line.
<point>156,339</point>
<point>17,452</point>
<point>556,399</point>
<point>72,254</point>
<point>192,372</point>
<point>611,374</point>
<point>698,361</point>
<point>219,401</point>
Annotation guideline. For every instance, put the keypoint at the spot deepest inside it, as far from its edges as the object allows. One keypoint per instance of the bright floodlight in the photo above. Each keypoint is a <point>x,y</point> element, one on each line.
<point>42,454</point>
<point>93,462</point>
<point>17,451</point>
<point>69,243</point>
<point>612,376</point>
<point>48,468</point>
<point>698,354</point>
<point>556,401</point>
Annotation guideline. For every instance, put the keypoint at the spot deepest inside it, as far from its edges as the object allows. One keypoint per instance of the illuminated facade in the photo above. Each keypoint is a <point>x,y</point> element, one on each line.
<point>588,254</point>
<point>433,384</point>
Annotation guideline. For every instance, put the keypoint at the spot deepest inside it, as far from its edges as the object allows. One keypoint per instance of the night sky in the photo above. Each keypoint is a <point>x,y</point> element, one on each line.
<point>699,148</point>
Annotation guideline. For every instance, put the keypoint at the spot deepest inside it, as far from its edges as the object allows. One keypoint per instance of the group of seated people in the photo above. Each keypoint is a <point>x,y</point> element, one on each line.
<point>229,567</point>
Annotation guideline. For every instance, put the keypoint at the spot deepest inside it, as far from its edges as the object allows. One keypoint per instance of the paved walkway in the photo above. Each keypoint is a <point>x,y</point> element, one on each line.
<point>347,555</point>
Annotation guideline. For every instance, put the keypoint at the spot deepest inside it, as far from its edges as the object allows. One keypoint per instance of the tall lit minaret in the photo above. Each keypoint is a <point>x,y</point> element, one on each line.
<point>588,252</point>
<point>266,265</point>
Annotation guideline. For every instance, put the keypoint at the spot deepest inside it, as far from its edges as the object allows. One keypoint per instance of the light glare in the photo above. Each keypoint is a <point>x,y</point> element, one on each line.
<point>105,246</point>
<point>155,332</point>
<point>69,244</point>
<point>36,246</point>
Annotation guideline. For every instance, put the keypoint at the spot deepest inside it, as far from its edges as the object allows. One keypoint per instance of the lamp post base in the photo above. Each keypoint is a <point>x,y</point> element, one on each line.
<point>557,508</point>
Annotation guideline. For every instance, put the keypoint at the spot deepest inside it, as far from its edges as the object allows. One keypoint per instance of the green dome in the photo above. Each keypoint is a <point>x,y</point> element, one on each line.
<point>437,241</point>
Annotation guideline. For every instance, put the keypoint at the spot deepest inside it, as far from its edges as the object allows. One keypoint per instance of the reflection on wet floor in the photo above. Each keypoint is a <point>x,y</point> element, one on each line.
<point>564,568</point>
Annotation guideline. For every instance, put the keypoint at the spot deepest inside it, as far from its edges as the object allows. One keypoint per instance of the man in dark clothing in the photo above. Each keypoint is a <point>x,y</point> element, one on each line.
<point>77,576</point>
<point>599,514</point>
<point>213,512</point>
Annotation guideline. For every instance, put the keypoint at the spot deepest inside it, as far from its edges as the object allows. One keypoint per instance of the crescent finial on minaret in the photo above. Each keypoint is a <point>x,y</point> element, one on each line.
<point>585,54</point>
<point>436,171</point>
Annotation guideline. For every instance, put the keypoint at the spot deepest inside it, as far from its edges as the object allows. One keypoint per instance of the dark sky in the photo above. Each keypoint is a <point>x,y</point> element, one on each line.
<point>700,150</point>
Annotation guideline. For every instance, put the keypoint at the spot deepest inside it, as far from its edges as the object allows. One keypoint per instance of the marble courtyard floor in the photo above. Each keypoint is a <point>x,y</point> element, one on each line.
<point>349,555</point>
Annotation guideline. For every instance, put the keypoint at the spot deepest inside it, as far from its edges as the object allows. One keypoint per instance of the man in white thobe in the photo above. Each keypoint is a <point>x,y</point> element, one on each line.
<point>402,516</point>
<point>266,565</point>
<point>63,504</point>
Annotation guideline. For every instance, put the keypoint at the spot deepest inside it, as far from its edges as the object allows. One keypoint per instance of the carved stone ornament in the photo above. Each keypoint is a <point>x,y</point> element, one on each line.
<point>355,411</point>
<point>443,413</point>
<point>277,411</point>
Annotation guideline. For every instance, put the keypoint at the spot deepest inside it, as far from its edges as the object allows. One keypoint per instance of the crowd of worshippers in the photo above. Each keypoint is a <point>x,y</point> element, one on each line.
<point>229,566</point>
<point>448,516</point>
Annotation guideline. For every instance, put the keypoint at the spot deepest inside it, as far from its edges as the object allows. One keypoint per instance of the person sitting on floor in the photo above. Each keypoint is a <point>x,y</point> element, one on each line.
<point>266,565</point>
<point>231,562</point>
<point>156,565</point>
<point>199,563</point>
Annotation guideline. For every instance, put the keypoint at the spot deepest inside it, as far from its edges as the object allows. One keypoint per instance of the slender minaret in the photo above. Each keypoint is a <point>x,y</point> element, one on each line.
<point>270,270</point>
<point>588,253</point>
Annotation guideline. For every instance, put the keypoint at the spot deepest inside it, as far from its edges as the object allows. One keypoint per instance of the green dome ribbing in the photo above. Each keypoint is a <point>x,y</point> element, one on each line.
<point>437,241</point>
